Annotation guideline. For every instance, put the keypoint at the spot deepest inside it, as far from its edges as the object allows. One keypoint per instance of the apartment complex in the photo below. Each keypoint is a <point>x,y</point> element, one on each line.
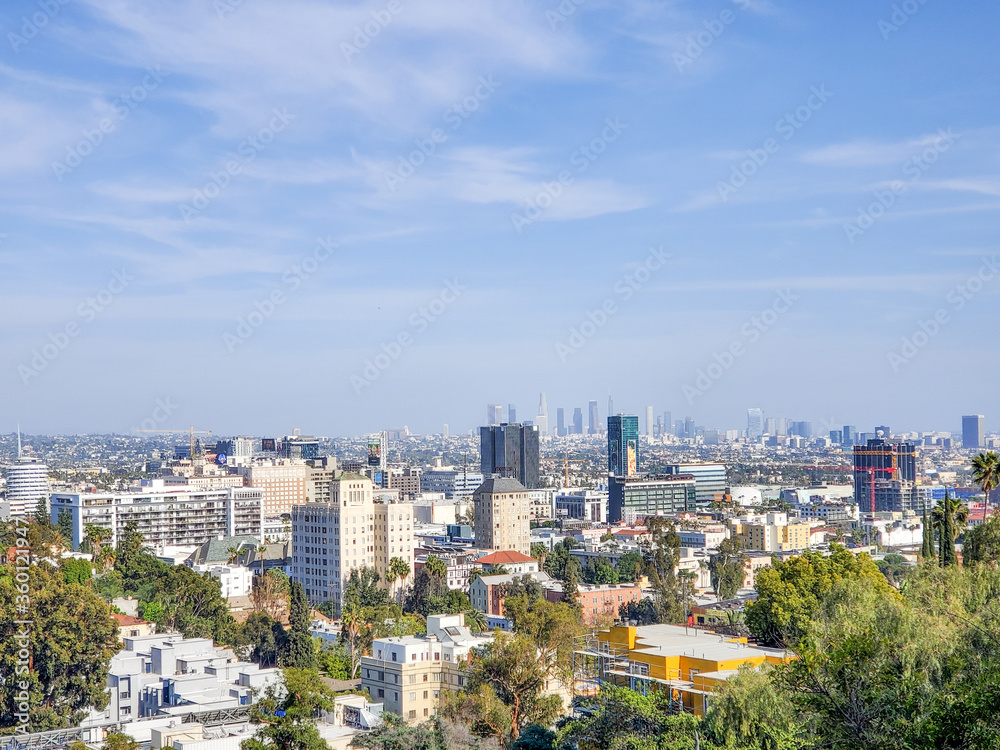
<point>407,674</point>
<point>282,481</point>
<point>351,531</point>
<point>503,513</point>
<point>27,483</point>
<point>452,483</point>
<point>165,514</point>
<point>770,533</point>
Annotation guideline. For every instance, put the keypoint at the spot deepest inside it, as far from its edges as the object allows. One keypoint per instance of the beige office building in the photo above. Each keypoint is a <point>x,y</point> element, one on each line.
<point>283,482</point>
<point>503,514</point>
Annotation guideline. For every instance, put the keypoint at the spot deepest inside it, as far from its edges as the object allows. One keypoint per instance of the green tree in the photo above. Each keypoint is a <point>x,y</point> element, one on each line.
<point>790,592</point>
<point>333,659</point>
<point>751,711</point>
<point>119,741</point>
<point>986,473</point>
<point>265,637</point>
<point>535,737</point>
<point>395,734</point>
<point>629,567</point>
<point>894,567</point>
<point>551,627</point>
<point>982,543</point>
<point>286,715</point>
<point>436,566</point>
<point>945,514</point>
<point>727,568</point>
<point>539,551</point>
<point>399,569</point>
<point>475,620</point>
<point>600,571</point>
<point>362,590</point>
<point>571,583</point>
<point>300,652</point>
<point>66,526</point>
<point>927,548</point>
<point>76,571</point>
<point>505,690</point>
<point>71,640</point>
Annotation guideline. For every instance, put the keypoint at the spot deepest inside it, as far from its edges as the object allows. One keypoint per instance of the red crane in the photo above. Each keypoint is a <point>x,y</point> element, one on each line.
<point>871,478</point>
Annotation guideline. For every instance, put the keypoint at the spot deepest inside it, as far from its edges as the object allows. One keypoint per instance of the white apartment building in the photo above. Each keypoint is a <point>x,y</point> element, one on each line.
<point>454,483</point>
<point>166,515</point>
<point>234,580</point>
<point>503,515</point>
<point>329,540</point>
<point>708,538</point>
<point>588,505</point>
<point>407,674</point>
<point>27,483</point>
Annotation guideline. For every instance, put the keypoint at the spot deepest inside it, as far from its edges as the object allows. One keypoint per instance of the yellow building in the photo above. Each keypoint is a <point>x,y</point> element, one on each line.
<point>771,533</point>
<point>689,663</point>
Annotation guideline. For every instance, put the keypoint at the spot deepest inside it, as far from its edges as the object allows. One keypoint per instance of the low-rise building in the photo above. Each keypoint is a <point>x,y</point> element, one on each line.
<point>487,593</point>
<point>598,603</point>
<point>511,561</point>
<point>407,674</point>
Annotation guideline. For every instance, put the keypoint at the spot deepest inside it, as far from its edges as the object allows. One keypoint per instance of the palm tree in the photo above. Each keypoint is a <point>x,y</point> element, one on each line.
<point>398,569</point>
<point>436,566</point>
<point>956,510</point>
<point>475,620</point>
<point>986,473</point>
<point>262,550</point>
<point>233,553</point>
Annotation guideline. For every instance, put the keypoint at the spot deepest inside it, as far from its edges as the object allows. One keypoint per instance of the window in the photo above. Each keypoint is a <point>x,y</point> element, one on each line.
<point>425,712</point>
<point>381,693</point>
<point>413,696</point>
<point>412,714</point>
<point>425,695</point>
<point>425,678</point>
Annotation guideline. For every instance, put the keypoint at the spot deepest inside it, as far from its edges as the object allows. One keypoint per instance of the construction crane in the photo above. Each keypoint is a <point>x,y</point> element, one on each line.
<point>566,462</point>
<point>190,431</point>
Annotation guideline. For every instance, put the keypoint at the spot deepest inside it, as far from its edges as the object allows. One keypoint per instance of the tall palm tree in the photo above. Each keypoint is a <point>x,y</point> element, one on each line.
<point>233,553</point>
<point>398,569</point>
<point>986,473</point>
<point>262,550</point>
<point>436,566</point>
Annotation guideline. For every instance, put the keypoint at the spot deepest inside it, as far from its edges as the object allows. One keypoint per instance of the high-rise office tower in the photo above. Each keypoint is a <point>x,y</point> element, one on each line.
<point>494,414</point>
<point>577,421</point>
<point>802,429</point>
<point>649,421</point>
<point>849,435</point>
<point>542,420</point>
<point>445,433</point>
<point>668,424</point>
<point>885,476</point>
<point>510,450</point>
<point>511,413</point>
<point>755,423</point>
<point>27,483</point>
<point>623,445</point>
<point>972,431</point>
<point>503,511</point>
<point>593,422</point>
<point>611,405</point>
<point>688,427</point>
<point>560,421</point>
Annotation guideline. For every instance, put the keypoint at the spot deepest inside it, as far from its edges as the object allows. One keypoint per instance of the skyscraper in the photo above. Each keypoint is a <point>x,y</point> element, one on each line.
<point>494,414</point>
<point>592,418</point>
<point>972,431</point>
<point>577,421</point>
<point>511,413</point>
<point>884,476</point>
<point>649,421</point>
<point>623,445</point>
<point>688,427</point>
<point>560,421</point>
<point>668,424</point>
<point>542,420</point>
<point>755,423</point>
<point>510,450</point>
<point>27,483</point>
<point>849,435</point>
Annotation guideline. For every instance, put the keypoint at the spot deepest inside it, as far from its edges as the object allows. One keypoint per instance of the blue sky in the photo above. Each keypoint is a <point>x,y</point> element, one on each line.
<point>342,217</point>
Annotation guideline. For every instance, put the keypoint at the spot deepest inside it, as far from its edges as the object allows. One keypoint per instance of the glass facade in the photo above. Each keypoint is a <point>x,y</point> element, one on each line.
<point>623,445</point>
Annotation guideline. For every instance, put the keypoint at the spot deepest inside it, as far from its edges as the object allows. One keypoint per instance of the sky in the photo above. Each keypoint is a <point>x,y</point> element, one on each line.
<point>251,216</point>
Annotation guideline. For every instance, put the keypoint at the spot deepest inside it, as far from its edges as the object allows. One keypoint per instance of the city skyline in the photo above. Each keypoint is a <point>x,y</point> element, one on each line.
<point>213,195</point>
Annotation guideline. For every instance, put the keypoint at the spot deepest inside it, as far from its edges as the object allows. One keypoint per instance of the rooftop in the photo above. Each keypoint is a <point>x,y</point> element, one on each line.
<point>505,557</point>
<point>500,484</point>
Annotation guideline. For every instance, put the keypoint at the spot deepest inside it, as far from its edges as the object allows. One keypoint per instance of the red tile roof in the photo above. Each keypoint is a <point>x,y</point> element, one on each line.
<point>505,557</point>
<point>127,620</point>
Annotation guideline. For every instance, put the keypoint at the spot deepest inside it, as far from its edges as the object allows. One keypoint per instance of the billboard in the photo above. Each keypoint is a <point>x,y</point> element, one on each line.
<point>630,470</point>
<point>267,444</point>
<point>374,453</point>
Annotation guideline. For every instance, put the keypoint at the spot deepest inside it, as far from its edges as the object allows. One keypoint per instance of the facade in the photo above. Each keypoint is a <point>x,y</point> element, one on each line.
<point>282,481</point>
<point>599,603</point>
<point>511,450</point>
<point>623,445</point>
<point>587,505</point>
<point>237,447</point>
<point>698,538</point>
<point>299,447</point>
<point>503,514</point>
<point>710,480</point>
<point>972,431</point>
<point>166,515</point>
<point>452,483</point>
<point>514,562</point>
<point>633,497</point>
<point>408,674</point>
<point>884,476</point>
<point>771,533</point>
<point>352,531</point>
<point>487,593</point>
<point>681,660</point>
<point>27,483</point>
<point>755,423</point>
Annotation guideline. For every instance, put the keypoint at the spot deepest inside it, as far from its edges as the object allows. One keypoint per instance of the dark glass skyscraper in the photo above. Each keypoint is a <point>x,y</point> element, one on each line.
<point>594,420</point>
<point>623,445</point>
<point>972,431</point>
<point>510,450</point>
<point>577,421</point>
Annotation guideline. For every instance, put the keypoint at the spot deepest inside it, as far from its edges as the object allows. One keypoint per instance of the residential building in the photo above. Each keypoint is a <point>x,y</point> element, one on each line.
<point>623,445</point>
<point>503,512</point>
<point>710,480</point>
<point>283,482</point>
<point>972,431</point>
<point>407,674</point>
<point>598,604</point>
<point>459,565</point>
<point>770,533</point>
<point>451,482</point>
<point>631,498</point>
<point>702,538</point>
<point>234,580</point>
<point>130,626</point>
<point>685,661</point>
<point>27,484</point>
<point>352,531</point>
<point>165,515</point>
<point>510,450</point>
<point>487,593</point>
<point>513,562</point>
